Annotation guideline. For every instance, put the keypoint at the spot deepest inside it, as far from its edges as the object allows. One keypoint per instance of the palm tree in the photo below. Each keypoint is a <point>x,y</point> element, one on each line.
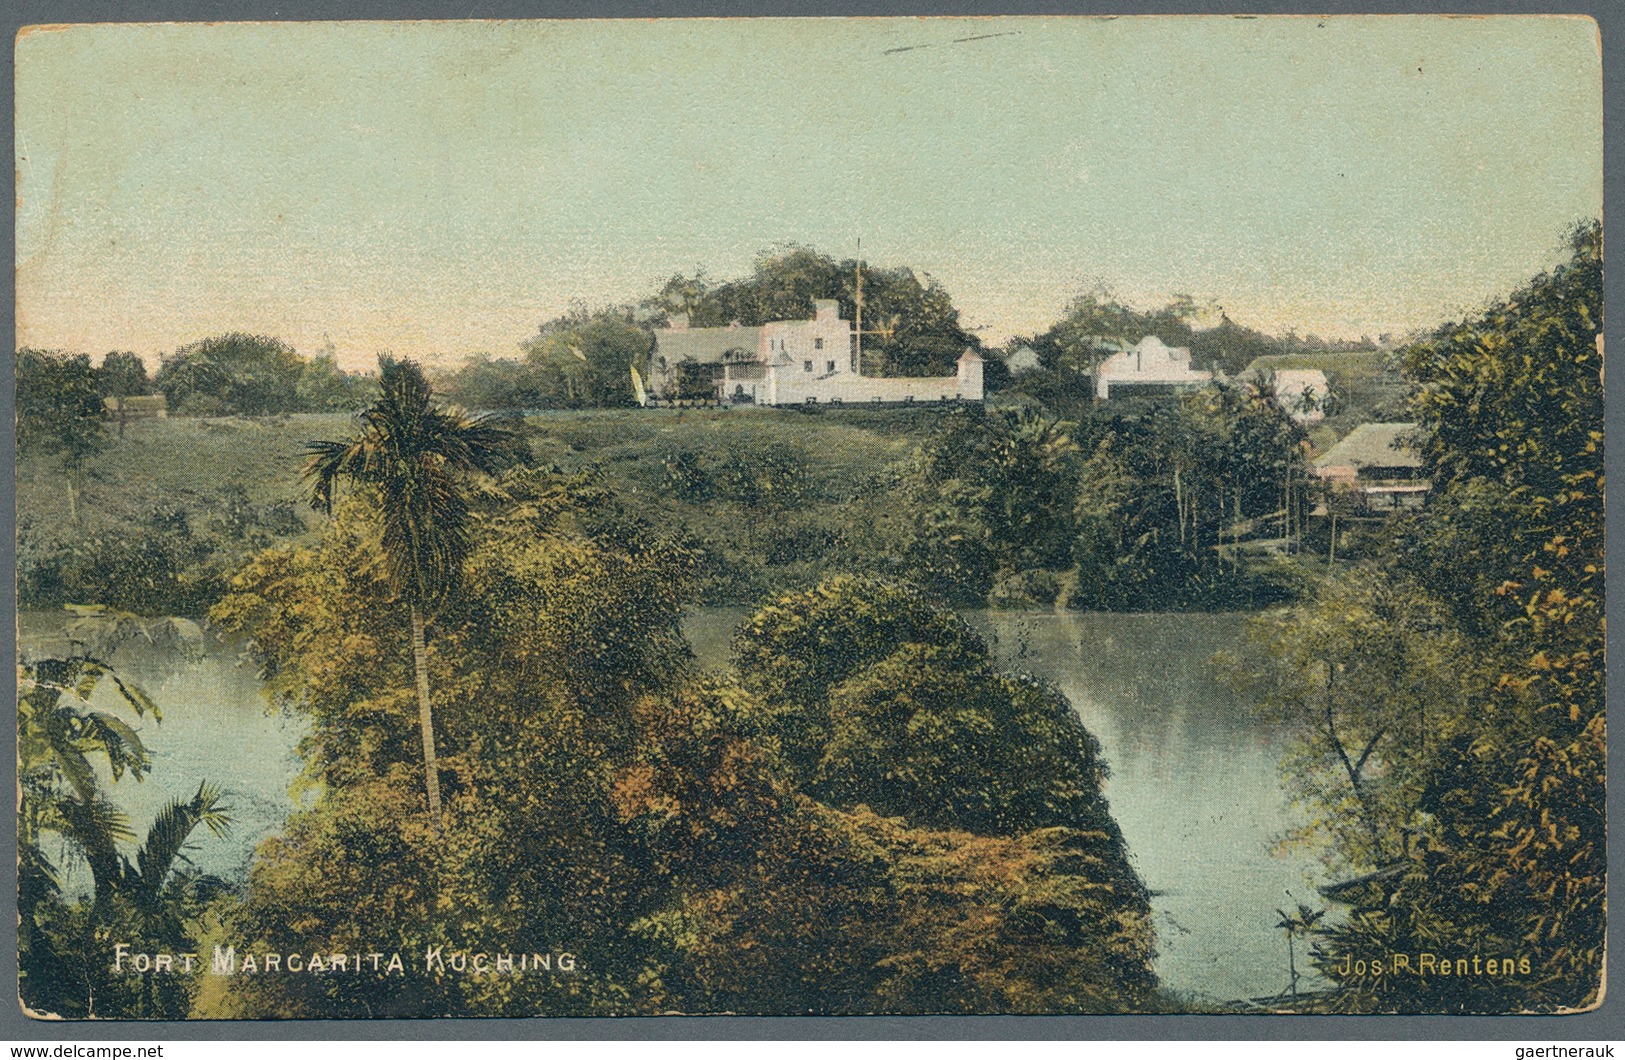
<point>57,734</point>
<point>59,737</point>
<point>416,458</point>
<point>1294,924</point>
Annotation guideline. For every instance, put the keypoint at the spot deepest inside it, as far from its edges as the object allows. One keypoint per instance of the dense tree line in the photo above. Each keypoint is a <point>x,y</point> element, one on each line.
<point>1448,698</point>
<point>1126,509</point>
<point>230,374</point>
<point>256,375</point>
<point>583,359</point>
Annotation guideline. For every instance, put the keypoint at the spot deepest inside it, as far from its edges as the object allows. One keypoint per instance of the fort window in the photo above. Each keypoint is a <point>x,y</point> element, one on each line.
<point>806,366</point>
<point>818,344</point>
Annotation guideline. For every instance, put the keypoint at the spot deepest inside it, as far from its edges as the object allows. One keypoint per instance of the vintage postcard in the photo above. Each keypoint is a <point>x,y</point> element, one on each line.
<point>1035,515</point>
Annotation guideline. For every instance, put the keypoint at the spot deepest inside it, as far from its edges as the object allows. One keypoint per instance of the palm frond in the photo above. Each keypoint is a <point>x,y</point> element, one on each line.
<point>328,462</point>
<point>120,743</point>
<point>170,831</point>
<point>36,876</point>
<point>95,827</point>
<point>67,756</point>
<point>138,700</point>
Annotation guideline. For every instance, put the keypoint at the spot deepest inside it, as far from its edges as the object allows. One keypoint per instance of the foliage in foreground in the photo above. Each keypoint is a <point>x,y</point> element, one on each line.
<point>1451,719</point>
<point>604,799</point>
<point>67,817</point>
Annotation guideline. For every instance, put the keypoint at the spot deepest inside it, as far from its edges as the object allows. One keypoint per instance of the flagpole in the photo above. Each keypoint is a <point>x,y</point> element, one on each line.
<point>858,329</point>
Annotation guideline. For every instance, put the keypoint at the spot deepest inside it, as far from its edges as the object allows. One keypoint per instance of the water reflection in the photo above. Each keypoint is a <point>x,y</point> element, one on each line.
<point>1194,785</point>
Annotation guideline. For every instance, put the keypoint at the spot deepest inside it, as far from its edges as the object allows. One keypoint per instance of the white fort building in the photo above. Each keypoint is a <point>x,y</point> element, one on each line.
<point>1149,367</point>
<point>790,362</point>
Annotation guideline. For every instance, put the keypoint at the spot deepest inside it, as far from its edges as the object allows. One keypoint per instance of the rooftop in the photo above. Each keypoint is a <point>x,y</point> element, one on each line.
<point>1374,445</point>
<point>705,345</point>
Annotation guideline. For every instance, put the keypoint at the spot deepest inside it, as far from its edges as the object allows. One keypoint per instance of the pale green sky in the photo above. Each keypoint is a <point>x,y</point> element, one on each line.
<point>440,188</point>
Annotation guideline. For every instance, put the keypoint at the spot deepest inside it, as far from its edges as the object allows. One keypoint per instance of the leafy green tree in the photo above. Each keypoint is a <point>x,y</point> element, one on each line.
<point>764,482</point>
<point>122,374</point>
<point>58,734</point>
<point>60,413</point>
<point>911,328</point>
<point>1160,488</point>
<point>324,387</point>
<point>1230,347</point>
<point>250,375</point>
<point>881,698</point>
<point>1370,680</point>
<point>959,748</point>
<point>1511,409</point>
<point>1096,323</point>
<point>949,548</point>
<point>794,650</point>
<point>993,496</point>
<point>584,359</point>
<point>415,460</point>
<point>489,383</point>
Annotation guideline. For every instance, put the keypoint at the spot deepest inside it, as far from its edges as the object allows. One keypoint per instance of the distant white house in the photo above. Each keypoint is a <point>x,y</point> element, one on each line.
<point>1150,365</point>
<point>790,362</point>
<point>1302,392</point>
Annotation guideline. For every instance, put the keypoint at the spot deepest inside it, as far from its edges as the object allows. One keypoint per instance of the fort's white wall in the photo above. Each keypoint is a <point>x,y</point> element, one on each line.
<point>850,389</point>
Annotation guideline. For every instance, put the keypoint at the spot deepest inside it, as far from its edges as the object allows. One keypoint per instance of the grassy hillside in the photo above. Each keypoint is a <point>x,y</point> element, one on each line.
<point>193,464</point>
<point>175,505</point>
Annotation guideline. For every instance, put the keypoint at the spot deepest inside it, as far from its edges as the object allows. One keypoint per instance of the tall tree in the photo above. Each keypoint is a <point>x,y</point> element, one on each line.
<point>122,374</point>
<point>582,359</point>
<point>251,375</point>
<point>416,458</point>
<point>60,413</point>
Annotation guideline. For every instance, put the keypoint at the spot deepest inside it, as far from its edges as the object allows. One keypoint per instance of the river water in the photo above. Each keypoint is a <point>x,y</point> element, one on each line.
<point>1195,786</point>
<point>1194,782</point>
<point>216,727</point>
